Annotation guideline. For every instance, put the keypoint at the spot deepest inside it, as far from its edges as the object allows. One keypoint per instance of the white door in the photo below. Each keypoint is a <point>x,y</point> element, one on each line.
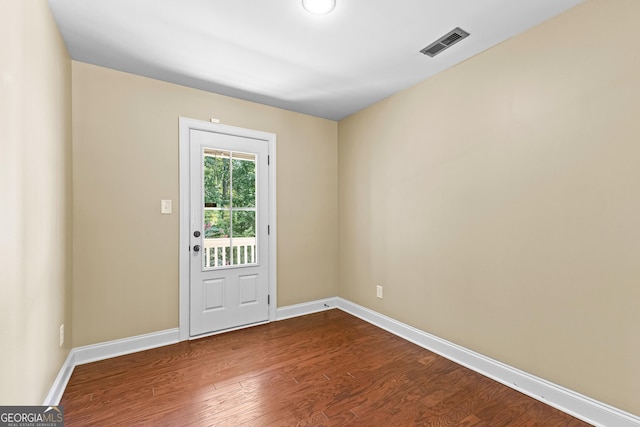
<point>229,248</point>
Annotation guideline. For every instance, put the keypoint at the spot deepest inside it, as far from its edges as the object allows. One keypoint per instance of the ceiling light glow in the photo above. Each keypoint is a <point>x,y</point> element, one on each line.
<point>319,7</point>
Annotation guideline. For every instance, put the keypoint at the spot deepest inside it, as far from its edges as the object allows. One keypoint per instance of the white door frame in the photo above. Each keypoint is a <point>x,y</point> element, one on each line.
<point>186,125</point>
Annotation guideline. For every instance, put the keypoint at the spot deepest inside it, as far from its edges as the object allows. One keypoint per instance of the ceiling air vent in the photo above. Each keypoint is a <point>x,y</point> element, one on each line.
<point>444,42</point>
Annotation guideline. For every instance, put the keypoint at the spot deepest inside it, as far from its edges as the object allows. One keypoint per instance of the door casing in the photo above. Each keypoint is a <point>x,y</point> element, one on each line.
<point>186,125</point>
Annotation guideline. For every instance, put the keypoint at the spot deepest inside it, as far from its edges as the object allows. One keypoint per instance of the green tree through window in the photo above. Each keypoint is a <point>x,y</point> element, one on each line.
<point>229,194</point>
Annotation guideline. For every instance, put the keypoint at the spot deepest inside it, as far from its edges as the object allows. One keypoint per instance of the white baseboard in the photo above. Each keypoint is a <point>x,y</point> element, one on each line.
<point>305,308</point>
<point>575,404</point>
<point>61,381</point>
<point>109,349</point>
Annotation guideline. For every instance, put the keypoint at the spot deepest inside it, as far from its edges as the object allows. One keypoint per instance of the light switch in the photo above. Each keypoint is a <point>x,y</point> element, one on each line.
<point>165,206</point>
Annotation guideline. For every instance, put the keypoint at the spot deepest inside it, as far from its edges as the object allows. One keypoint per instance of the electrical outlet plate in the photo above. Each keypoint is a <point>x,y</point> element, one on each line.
<point>61,334</point>
<point>379,291</point>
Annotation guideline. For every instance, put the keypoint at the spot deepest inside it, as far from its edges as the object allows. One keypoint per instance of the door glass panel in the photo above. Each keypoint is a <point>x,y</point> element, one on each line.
<point>244,224</point>
<point>217,241</point>
<point>217,178</point>
<point>229,216</point>
<point>244,237</point>
<point>244,180</point>
<point>217,224</point>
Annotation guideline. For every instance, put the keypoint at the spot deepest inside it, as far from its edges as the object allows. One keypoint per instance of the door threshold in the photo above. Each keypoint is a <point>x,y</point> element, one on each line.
<point>222,331</point>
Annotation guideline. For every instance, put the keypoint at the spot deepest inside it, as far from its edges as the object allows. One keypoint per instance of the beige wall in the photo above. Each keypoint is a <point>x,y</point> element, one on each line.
<point>35,190</point>
<point>498,203</point>
<point>125,154</point>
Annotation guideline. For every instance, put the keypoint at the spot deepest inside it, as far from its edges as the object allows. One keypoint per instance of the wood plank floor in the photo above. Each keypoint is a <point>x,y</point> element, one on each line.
<point>324,369</point>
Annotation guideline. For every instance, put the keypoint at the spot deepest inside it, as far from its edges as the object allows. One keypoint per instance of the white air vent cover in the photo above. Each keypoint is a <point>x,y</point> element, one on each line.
<point>444,42</point>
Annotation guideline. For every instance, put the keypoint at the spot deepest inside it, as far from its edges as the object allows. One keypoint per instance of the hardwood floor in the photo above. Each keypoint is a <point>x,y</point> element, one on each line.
<point>324,369</point>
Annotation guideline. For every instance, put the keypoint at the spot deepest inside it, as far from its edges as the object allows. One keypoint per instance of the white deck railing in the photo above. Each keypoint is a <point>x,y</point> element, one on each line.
<point>217,252</point>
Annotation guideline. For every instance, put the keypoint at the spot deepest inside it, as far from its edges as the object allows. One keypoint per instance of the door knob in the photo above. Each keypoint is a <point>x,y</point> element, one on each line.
<point>196,234</point>
<point>196,248</point>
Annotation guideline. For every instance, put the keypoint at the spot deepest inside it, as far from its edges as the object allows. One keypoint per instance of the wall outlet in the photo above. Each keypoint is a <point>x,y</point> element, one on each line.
<point>61,334</point>
<point>379,291</point>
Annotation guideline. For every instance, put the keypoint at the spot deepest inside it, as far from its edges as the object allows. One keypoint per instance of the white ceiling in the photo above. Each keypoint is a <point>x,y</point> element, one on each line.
<point>274,52</point>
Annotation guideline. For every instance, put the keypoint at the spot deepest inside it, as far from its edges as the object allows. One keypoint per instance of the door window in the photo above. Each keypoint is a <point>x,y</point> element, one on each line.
<point>230,213</point>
